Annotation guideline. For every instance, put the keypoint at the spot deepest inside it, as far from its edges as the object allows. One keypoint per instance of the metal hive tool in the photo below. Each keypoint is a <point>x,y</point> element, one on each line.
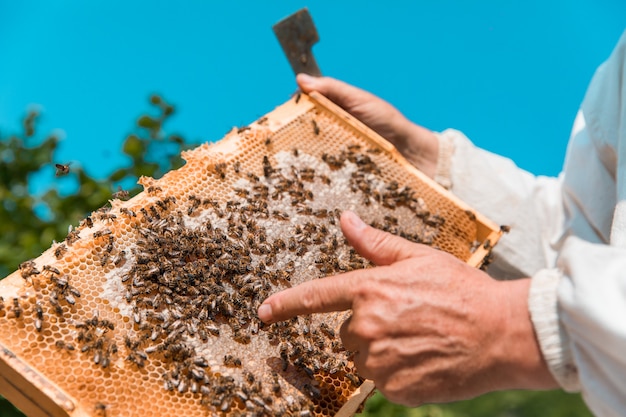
<point>149,307</point>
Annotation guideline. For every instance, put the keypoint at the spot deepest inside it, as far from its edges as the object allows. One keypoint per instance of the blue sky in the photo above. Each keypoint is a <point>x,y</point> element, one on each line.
<point>510,74</point>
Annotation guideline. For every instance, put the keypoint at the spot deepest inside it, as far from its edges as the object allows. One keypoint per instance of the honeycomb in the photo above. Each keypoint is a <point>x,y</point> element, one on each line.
<point>148,307</point>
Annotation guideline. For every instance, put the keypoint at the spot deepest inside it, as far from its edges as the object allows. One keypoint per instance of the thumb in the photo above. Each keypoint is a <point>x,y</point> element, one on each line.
<point>380,247</point>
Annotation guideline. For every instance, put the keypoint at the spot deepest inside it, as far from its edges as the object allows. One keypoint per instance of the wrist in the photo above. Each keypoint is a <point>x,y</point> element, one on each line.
<point>520,363</point>
<point>419,146</point>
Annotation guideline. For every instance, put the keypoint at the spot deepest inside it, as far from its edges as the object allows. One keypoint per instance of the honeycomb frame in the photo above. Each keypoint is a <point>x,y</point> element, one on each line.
<point>41,375</point>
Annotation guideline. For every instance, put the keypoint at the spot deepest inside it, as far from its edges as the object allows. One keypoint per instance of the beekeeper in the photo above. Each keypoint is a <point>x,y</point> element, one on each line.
<point>426,327</point>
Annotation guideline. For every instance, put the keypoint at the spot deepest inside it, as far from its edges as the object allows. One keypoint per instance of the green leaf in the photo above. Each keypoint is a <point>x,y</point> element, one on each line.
<point>133,146</point>
<point>148,122</point>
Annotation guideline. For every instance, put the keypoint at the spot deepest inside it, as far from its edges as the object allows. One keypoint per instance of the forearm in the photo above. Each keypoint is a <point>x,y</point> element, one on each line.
<point>496,187</point>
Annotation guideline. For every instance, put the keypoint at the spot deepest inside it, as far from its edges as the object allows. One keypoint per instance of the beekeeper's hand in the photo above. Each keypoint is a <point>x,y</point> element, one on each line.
<point>425,326</point>
<point>418,144</point>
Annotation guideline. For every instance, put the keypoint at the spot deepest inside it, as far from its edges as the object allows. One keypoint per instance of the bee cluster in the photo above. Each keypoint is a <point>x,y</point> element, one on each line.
<point>160,292</point>
<point>200,270</point>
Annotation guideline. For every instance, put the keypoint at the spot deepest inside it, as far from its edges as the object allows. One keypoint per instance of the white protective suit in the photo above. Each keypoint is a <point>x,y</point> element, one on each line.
<point>568,234</point>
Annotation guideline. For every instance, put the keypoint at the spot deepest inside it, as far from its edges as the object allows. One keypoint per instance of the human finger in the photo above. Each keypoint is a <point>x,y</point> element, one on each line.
<point>322,295</point>
<point>349,340</point>
<point>378,246</point>
<point>341,93</point>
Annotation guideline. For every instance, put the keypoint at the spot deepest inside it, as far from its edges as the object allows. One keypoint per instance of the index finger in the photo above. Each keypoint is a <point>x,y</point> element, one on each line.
<point>334,293</point>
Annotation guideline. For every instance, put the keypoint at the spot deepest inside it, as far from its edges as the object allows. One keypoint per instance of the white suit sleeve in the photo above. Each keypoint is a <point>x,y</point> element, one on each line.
<point>569,235</point>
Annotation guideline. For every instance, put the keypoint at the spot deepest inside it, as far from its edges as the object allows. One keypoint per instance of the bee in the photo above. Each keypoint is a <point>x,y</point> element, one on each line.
<point>220,169</point>
<point>28,268</point>
<point>87,221</point>
<point>214,330</point>
<point>154,212</point>
<point>236,167</point>
<point>487,244</point>
<point>504,228</point>
<point>471,215</point>
<point>316,128</point>
<point>17,308</point>
<point>298,96</point>
<point>60,250</point>
<point>268,140</point>
<point>241,337</point>
<point>325,328</point>
<point>60,344</point>
<point>62,170</point>
<point>51,269</point>
<point>100,410</point>
<point>72,237</point>
<point>295,152</point>
<point>267,167</point>
<point>243,129</point>
<point>280,215</point>
<point>353,379</point>
<point>153,189</point>
<point>325,179</point>
<point>230,360</point>
<point>100,233</point>
<point>252,177</point>
<point>121,194</point>
<point>312,391</point>
<point>120,258</point>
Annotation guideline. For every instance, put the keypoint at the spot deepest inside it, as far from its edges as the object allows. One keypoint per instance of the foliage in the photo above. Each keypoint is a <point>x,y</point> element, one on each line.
<point>497,404</point>
<point>29,223</point>
<point>25,233</point>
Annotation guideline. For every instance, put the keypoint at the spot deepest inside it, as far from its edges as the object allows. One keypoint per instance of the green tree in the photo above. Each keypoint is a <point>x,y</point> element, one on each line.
<point>29,223</point>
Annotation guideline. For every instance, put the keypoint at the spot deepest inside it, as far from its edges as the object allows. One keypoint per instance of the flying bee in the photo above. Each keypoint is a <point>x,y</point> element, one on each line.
<point>61,169</point>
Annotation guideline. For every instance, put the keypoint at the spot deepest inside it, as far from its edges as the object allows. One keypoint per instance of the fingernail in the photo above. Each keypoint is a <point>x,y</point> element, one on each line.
<point>265,312</point>
<point>355,220</point>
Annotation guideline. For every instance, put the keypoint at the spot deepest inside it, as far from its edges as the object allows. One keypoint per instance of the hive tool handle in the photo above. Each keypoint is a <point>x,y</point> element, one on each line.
<point>297,35</point>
